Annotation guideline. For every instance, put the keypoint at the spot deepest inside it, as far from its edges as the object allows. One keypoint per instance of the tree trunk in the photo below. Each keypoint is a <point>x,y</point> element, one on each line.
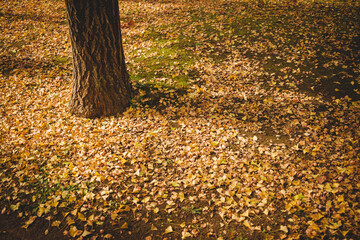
<point>101,84</point>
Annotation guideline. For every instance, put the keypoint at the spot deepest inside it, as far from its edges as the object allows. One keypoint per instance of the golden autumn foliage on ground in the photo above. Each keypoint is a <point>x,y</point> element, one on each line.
<point>245,124</point>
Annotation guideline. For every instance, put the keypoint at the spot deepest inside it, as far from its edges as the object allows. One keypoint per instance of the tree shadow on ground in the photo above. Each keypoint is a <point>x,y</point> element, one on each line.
<point>33,17</point>
<point>11,64</point>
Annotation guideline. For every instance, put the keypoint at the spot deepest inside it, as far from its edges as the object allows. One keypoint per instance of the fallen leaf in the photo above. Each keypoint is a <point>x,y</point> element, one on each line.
<point>124,226</point>
<point>168,230</point>
<point>321,179</point>
<point>29,222</point>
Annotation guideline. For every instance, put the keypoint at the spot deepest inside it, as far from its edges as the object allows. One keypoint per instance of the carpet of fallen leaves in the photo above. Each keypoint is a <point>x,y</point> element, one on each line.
<point>245,124</point>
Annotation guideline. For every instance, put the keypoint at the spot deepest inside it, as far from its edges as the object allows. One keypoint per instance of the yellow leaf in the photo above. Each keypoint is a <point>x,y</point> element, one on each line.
<point>342,209</point>
<point>328,204</point>
<point>72,198</point>
<point>175,184</point>
<point>168,230</point>
<point>113,216</point>
<point>266,212</point>
<point>122,160</point>
<point>56,224</point>
<point>29,222</point>
<point>288,206</point>
<point>181,196</point>
<point>40,211</point>
<point>185,235</point>
<point>335,225</point>
<point>70,221</point>
<point>183,225</point>
<point>284,229</point>
<point>64,194</point>
<point>247,224</point>
<point>73,212</point>
<point>328,187</point>
<point>124,208</point>
<point>15,207</point>
<point>341,198</point>
<point>124,226</point>
<point>315,227</point>
<point>81,217</point>
<point>85,233</point>
<point>296,182</point>
<point>153,228</point>
<point>74,231</point>
<point>156,210</point>
<point>145,200</point>
<point>299,196</point>
<point>316,216</point>
<point>135,199</point>
<point>245,214</point>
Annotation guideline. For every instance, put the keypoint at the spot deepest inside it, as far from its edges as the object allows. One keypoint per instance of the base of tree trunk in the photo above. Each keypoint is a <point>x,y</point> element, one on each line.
<point>93,102</point>
<point>101,84</point>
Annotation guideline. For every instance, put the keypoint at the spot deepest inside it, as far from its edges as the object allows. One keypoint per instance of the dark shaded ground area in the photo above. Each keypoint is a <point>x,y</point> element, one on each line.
<point>10,229</point>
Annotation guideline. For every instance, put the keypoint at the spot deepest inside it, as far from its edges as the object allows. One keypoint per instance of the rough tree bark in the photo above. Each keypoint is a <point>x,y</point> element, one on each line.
<point>101,84</point>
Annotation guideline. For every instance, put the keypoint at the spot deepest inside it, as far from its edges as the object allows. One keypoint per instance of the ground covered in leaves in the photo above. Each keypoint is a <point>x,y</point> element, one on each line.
<point>245,124</point>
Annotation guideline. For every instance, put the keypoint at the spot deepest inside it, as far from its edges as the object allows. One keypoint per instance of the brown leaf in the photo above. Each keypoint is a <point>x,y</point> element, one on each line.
<point>321,179</point>
<point>129,24</point>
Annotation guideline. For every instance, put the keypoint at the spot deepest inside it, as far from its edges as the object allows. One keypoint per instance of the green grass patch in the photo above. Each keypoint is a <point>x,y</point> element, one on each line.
<point>60,60</point>
<point>166,63</point>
